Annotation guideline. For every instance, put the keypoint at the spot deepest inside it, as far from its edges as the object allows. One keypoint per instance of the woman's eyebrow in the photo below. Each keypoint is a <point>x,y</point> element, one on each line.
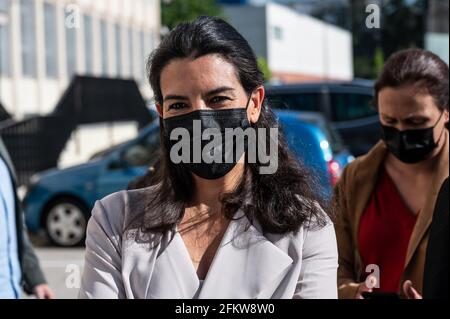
<point>175,97</point>
<point>219,90</point>
<point>416,117</point>
<point>209,93</point>
<point>385,116</point>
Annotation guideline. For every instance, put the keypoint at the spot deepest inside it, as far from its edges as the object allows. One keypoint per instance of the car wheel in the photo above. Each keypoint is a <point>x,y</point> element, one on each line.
<point>65,222</point>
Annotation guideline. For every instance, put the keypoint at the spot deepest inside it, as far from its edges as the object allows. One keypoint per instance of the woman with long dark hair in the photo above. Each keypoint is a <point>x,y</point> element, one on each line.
<point>220,229</point>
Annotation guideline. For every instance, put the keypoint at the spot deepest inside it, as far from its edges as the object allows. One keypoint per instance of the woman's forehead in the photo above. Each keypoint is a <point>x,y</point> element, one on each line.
<point>203,74</point>
<point>406,100</point>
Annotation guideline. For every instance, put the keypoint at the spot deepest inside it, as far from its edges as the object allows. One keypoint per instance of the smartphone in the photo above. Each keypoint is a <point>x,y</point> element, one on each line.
<point>380,295</point>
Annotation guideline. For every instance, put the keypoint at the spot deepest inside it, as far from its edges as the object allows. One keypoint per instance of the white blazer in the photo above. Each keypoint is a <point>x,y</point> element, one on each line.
<point>248,264</point>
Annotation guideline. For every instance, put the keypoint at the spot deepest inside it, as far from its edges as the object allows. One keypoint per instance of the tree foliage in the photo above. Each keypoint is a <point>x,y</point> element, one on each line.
<point>175,11</point>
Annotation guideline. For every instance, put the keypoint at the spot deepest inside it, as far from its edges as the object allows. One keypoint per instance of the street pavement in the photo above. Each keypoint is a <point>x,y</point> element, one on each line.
<point>62,267</point>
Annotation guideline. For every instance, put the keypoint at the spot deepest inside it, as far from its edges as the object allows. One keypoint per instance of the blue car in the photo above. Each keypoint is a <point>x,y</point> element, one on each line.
<point>316,144</point>
<point>60,201</point>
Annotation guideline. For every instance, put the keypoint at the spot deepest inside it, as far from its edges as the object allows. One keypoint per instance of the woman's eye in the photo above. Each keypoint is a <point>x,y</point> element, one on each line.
<point>218,99</point>
<point>418,122</point>
<point>177,106</point>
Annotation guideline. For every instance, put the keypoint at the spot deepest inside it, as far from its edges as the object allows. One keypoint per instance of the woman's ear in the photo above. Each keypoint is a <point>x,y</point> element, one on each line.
<point>446,116</point>
<point>159,109</point>
<point>255,104</point>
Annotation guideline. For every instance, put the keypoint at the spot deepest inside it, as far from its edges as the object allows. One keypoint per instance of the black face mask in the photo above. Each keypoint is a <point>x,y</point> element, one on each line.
<point>210,119</point>
<point>410,146</point>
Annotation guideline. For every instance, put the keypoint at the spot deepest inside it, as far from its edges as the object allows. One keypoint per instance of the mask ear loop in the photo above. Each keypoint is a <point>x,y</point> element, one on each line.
<point>440,135</point>
<point>246,122</point>
<point>248,101</point>
<point>246,108</point>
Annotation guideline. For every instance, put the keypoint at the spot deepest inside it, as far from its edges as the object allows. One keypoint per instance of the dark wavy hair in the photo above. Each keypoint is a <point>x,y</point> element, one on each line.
<point>280,202</point>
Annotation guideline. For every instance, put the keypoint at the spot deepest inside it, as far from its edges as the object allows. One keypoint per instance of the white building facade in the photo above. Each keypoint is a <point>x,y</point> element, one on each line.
<point>44,43</point>
<point>296,46</point>
<point>437,35</point>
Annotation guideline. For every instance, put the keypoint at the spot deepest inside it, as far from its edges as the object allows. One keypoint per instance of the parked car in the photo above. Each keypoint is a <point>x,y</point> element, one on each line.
<point>316,144</point>
<point>60,201</point>
<point>347,105</point>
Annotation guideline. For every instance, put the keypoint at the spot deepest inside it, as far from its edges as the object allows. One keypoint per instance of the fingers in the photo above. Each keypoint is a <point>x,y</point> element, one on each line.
<point>362,288</point>
<point>409,290</point>
<point>407,285</point>
<point>44,292</point>
<point>39,293</point>
<point>49,294</point>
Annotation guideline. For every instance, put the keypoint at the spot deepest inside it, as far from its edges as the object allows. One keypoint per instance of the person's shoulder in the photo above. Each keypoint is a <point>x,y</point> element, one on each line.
<point>118,209</point>
<point>5,177</point>
<point>317,234</point>
<point>318,222</point>
<point>311,239</point>
<point>375,155</point>
<point>3,167</point>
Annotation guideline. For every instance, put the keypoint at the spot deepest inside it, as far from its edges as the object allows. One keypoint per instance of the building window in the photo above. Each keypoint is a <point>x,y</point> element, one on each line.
<point>118,49</point>
<point>88,48</point>
<point>4,6</point>
<point>5,39</point>
<point>51,46</point>
<point>131,52</point>
<point>71,47</point>
<point>104,47</point>
<point>277,33</point>
<point>143,55</point>
<point>28,37</point>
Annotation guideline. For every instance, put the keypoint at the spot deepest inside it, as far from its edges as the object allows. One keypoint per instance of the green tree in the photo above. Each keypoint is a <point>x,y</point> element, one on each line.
<point>264,67</point>
<point>403,25</point>
<point>174,12</point>
<point>378,61</point>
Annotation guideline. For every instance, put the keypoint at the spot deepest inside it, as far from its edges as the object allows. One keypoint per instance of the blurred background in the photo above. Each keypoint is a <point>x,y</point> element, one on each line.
<point>76,110</point>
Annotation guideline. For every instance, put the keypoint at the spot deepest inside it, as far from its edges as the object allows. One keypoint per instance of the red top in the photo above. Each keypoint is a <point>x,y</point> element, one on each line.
<point>384,232</point>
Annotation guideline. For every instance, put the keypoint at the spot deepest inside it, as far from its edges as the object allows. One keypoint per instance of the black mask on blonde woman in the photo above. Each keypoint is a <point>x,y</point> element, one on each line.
<point>200,139</point>
<point>410,146</point>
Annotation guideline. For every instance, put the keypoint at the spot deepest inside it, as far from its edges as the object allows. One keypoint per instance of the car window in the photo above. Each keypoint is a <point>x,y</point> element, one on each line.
<point>349,106</point>
<point>331,134</point>
<point>335,139</point>
<point>295,101</point>
<point>145,152</point>
<point>105,152</point>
